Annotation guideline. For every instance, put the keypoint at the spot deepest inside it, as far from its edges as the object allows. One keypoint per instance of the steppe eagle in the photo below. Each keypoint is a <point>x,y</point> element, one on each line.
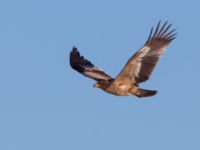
<point>137,70</point>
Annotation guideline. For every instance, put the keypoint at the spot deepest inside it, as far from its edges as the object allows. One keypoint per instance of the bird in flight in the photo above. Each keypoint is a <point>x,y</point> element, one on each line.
<point>137,69</point>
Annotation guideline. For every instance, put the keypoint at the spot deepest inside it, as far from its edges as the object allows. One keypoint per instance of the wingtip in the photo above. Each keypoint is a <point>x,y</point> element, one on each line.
<point>74,48</point>
<point>74,51</point>
<point>159,22</point>
<point>162,32</point>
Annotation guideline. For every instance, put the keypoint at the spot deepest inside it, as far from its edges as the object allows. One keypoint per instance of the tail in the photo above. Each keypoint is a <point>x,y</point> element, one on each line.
<point>145,93</point>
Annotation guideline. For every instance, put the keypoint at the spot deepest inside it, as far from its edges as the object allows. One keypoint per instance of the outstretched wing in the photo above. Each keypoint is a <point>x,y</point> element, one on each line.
<point>141,64</point>
<point>85,67</point>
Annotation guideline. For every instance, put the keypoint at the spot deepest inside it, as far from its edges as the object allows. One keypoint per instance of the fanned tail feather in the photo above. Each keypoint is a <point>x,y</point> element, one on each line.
<point>146,93</point>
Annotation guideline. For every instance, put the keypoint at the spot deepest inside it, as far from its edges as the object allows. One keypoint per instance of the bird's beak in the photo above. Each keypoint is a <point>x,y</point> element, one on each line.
<point>96,85</point>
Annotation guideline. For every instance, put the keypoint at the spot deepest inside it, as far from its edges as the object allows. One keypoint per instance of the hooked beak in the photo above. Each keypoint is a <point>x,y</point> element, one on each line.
<point>96,85</point>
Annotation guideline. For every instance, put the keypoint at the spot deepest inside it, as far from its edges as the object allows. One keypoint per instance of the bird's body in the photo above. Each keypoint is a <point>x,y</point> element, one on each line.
<point>119,89</point>
<point>123,89</point>
<point>137,70</point>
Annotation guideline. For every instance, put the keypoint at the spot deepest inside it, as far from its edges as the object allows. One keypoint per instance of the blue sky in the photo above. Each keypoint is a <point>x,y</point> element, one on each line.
<point>44,104</point>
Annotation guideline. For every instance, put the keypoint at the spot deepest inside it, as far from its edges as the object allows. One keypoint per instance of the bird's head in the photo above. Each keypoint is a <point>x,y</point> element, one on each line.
<point>102,84</point>
<point>96,85</point>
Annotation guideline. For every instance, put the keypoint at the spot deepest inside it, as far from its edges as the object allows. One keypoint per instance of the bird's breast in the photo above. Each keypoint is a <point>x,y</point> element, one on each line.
<point>120,89</point>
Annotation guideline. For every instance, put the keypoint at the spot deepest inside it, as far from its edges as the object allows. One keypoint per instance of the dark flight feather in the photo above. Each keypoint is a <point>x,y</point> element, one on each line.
<point>85,67</point>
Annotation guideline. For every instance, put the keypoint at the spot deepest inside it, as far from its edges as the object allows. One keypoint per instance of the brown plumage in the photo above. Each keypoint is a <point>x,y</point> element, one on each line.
<point>138,68</point>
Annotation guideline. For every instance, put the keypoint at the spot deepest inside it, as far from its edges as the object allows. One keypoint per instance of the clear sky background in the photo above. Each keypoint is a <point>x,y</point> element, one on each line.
<point>45,105</point>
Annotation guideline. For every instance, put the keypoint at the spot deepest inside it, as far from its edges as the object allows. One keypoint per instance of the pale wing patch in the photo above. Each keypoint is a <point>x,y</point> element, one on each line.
<point>143,52</point>
<point>93,74</point>
<point>157,51</point>
<point>95,68</point>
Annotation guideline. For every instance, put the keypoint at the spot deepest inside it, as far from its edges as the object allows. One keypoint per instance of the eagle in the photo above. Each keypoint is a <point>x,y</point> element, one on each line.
<point>137,69</point>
